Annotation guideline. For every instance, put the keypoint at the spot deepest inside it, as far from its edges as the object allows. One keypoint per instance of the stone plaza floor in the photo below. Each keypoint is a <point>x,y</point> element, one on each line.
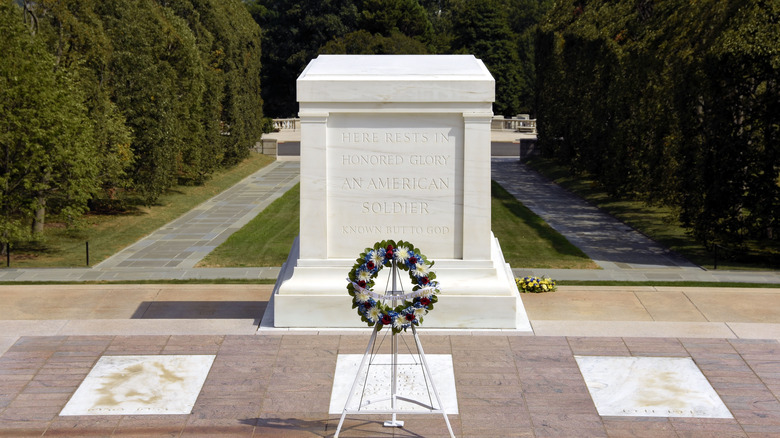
<point>279,382</point>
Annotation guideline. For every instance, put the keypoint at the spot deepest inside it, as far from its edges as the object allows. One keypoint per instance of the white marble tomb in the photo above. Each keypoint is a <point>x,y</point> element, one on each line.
<point>396,147</point>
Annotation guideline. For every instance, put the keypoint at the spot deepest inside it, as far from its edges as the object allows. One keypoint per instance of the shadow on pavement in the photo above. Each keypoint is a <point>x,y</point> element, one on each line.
<point>200,310</point>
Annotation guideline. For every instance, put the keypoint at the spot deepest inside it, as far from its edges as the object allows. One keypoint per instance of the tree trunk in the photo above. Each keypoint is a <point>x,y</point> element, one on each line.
<point>39,219</point>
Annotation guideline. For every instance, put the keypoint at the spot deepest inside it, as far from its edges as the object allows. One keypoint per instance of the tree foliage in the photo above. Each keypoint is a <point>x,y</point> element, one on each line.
<point>293,32</point>
<point>106,99</point>
<point>676,103</point>
<point>46,140</point>
<point>481,27</point>
<point>498,32</point>
<point>362,42</point>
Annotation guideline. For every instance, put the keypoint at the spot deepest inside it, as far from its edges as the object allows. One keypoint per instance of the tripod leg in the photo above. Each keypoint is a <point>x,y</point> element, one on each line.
<point>357,379</point>
<point>394,385</point>
<point>430,377</point>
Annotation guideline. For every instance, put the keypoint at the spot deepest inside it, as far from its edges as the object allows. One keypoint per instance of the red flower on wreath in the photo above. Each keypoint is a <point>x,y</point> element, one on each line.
<point>386,319</point>
<point>424,281</point>
<point>425,301</point>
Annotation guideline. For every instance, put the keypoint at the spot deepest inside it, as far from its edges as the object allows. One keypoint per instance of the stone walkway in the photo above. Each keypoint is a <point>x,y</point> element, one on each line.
<point>609,242</point>
<point>185,241</point>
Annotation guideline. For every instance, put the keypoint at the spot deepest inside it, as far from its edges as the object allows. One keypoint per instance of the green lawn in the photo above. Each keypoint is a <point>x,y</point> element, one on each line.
<point>525,239</point>
<point>109,233</point>
<point>656,222</point>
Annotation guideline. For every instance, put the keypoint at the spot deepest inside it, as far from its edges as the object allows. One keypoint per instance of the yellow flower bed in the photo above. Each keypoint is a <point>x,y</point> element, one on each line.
<point>536,284</point>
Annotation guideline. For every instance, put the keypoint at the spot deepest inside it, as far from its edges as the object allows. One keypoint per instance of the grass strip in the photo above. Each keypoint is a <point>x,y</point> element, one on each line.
<point>526,240</point>
<point>109,233</point>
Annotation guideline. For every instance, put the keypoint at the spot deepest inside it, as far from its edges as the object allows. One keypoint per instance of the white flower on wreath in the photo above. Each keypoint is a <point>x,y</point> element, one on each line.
<point>419,312</point>
<point>362,296</point>
<point>364,275</point>
<point>373,314</point>
<point>429,291</point>
<point>400,321</point>
<point>421,269</point>
<point>375,257</point>
<point>401,254</point>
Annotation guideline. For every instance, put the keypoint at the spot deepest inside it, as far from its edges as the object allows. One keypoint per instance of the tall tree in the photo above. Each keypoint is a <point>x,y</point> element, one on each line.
<point>157,78</point>
<point>481,27</point>
<point>75,35</point>
<point>524,16</point>
<point>46,143</point>
<point>406,17</point>
<point>236,55</point>
<point>671,103</point>
<point>362,42</point>
<point>293,32</point>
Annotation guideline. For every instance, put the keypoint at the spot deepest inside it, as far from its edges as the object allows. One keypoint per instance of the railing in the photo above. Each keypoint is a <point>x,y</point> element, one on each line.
<point>519,124</point>
<point>287,124</point>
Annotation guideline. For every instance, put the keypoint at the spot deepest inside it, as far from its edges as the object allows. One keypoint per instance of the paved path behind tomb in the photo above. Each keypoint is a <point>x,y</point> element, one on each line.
<point>185,241</point>
<point>609,242</point>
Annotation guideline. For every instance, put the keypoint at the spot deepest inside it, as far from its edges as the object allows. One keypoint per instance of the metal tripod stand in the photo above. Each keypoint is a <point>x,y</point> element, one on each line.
<point>392,295</point>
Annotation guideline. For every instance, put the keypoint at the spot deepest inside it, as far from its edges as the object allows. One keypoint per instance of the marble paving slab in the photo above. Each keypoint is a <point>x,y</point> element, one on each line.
<point>650,387</point>
<point>141,385</point>
<point>410,383</point>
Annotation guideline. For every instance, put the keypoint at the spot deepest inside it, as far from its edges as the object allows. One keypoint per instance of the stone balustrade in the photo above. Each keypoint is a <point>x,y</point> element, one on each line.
<point>519,124</point>
<point>287,124</point>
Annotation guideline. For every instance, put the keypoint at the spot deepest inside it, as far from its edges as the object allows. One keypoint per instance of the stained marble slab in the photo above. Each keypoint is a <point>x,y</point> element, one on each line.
<point>141,385</point>
<point>410,383</point>
<point>650,387</point>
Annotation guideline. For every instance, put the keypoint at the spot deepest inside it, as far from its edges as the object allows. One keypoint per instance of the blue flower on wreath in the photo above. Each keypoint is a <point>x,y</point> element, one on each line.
<point>366,306</point>
<point>413,259</point>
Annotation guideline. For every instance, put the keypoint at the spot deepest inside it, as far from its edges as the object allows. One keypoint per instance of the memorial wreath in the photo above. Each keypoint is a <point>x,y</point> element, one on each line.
<point>371,305</point>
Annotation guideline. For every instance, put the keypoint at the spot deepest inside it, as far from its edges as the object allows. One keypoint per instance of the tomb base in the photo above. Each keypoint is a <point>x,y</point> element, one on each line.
<point>479,294</point>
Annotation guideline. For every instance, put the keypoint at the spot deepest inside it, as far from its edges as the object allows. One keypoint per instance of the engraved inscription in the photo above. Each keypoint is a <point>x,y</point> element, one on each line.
<point>394,230</point>
<point>396,183</point>
<point>395,137</point>
<point>394,175</point>
<point>394,160</point>
<point>395,207</point>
